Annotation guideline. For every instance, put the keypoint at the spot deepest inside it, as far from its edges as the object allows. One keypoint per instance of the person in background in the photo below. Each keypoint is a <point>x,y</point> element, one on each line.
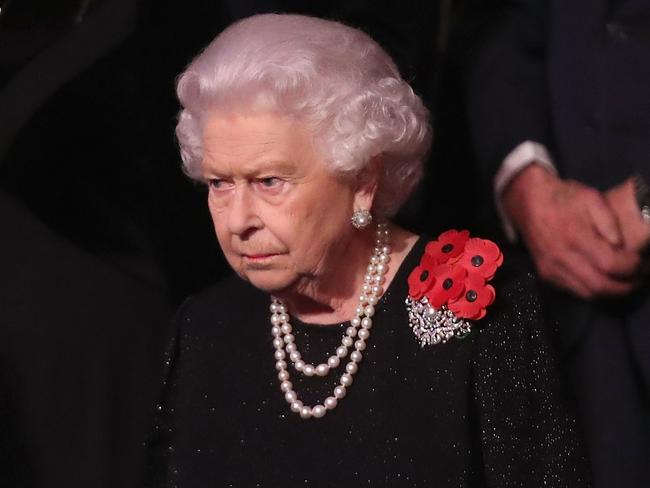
<point>560,119</point>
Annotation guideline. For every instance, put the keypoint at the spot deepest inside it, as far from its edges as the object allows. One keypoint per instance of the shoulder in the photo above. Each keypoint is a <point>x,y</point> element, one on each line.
<point>220,312</point>
<point>223,299</point>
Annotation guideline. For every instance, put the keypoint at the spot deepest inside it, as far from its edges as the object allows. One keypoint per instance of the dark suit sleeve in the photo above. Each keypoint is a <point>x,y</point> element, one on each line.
<point>507,84</point>
<point>528,436</point>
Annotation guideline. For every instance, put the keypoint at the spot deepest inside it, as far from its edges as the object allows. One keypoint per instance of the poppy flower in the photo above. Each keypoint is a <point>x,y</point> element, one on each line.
<point>482,256</point>
<point>474,300</point>
<point>421,278</point>
<point>449,245</point>
<point>448,285</point>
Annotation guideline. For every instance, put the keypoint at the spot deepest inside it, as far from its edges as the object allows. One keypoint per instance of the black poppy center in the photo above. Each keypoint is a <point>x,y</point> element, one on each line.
<point>471,296</point>
<point>477,261</point>
<point>447,248</point>
<point>424,275</point>
<point>448,283</point>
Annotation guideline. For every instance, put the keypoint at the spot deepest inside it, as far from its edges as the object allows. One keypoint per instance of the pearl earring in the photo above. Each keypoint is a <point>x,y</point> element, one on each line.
<point>361,218</point>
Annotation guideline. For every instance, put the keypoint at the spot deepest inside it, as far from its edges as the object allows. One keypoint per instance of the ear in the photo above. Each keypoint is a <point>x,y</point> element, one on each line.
<point>367,182</point>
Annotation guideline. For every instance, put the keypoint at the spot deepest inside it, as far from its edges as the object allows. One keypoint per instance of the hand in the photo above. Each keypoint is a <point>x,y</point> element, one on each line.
<point>571,233</point>
<point>635,231</point>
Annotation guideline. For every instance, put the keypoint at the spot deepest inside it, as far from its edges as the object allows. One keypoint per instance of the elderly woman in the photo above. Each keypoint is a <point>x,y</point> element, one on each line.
<point>347,350</point>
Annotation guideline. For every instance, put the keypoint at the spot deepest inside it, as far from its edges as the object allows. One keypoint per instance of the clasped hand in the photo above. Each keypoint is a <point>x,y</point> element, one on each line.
<point>582,240</point>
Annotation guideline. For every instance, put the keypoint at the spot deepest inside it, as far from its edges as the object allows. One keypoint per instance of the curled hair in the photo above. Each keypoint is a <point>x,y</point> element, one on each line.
<point>332,77</point>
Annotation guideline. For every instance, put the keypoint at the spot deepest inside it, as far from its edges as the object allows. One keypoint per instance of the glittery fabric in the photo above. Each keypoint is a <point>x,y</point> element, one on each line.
<point>481,411</point>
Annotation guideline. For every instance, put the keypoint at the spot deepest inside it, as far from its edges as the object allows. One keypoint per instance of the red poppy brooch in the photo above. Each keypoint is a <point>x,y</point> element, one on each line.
<point>449,288</point>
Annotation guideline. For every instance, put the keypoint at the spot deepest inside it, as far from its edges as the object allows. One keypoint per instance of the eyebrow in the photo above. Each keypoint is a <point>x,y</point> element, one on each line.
<point>278,166</point>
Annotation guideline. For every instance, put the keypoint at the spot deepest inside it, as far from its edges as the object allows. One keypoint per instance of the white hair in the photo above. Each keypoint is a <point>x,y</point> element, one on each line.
<point>332,77</point>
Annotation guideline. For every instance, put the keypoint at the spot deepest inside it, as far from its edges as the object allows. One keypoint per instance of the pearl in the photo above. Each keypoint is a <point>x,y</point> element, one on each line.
<point>284,340</point>
<point>340,392</point>
<point>308,370</point>
<point>330,403</point>
<point>333,361</point>
<point>305,412</point>
<point>322,369</point>
<point>346,379</point>
<point>318,411</point>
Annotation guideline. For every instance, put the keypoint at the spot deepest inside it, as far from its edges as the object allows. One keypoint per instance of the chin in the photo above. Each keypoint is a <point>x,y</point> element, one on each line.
<point>271,281</point>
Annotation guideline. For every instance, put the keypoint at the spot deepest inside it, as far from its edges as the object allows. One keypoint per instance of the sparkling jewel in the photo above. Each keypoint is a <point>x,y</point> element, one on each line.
<point>360,325</point>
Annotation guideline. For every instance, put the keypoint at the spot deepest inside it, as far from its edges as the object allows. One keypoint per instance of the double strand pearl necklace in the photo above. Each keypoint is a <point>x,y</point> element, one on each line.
<point>360,325</point>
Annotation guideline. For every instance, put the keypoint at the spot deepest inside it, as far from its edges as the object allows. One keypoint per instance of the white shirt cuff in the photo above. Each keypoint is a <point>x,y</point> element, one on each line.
<point>516,161</point>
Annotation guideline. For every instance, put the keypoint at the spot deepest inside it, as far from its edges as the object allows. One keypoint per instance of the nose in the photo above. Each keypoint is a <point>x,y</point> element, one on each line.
<point>242,215</point>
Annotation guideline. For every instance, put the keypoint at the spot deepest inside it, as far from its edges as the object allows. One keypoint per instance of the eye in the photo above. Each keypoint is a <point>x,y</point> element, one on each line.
<point>270,182</point>
<point>270,185</point>
<point>218,184</point>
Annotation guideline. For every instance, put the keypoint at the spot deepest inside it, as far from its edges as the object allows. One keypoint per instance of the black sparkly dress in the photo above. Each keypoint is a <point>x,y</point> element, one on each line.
<point>480,411</point>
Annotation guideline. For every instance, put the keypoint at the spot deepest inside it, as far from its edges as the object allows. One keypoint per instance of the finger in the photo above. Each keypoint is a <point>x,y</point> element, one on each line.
<point>569,283</point>
<point>618,263</point>
<point>598,283</point>
<point>603,218</point>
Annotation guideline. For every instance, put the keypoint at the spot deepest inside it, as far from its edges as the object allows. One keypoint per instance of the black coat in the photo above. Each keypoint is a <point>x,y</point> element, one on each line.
<point>481,411</point>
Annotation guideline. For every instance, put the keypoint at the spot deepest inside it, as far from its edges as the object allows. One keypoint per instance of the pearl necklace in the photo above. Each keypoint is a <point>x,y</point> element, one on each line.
<point>360,325</point>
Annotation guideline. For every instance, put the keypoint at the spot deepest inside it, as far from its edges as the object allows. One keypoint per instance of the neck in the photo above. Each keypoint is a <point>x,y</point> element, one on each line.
<point>333,297</point>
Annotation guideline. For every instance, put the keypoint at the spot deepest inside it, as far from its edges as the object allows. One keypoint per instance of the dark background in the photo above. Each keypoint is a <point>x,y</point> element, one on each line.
<point>102,235</point>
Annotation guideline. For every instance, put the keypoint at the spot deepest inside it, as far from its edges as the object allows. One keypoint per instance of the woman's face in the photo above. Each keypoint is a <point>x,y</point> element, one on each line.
<point>282,219</point>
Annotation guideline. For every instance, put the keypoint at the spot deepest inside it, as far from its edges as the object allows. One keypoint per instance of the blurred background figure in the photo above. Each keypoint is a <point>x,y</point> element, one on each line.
<point>103,236</point>
<point>560,119</point>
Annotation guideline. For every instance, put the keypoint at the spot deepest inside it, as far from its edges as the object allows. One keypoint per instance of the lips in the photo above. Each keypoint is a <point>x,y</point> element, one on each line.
<point>258,256</point>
